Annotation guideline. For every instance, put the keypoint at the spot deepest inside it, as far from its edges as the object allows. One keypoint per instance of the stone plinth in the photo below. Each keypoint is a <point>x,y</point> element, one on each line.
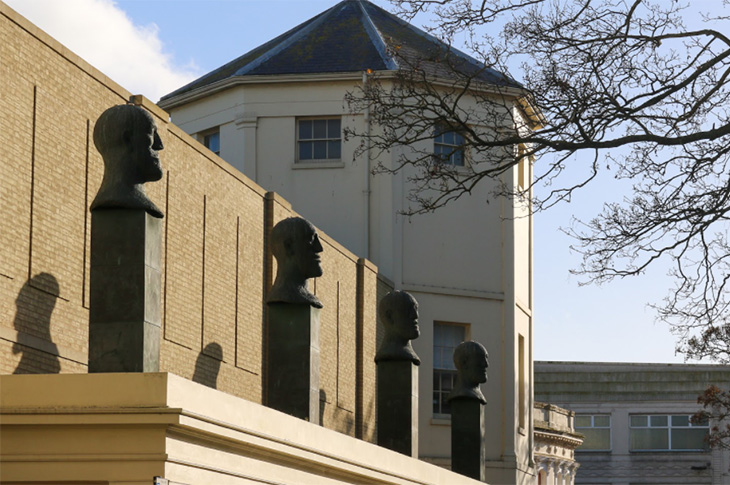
<point>124,291</point>
<point>293,360</point>
<point>467,438</point>
<point>397,406</point>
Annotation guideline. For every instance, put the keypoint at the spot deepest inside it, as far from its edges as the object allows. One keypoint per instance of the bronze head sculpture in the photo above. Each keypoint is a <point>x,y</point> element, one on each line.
<point>471,360</point>
<point>127,138</point>
<point>398,311</point>
<point>296,247</point>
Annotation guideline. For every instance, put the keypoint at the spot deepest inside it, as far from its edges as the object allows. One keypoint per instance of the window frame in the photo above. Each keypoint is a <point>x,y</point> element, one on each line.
<point>454,148</point>
<point>442,393</point>
<point>593,426</point>
<point>669,427</point>
<point>327,139</point>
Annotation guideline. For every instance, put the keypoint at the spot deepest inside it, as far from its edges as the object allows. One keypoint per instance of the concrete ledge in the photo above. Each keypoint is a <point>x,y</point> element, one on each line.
<point>130,427</point>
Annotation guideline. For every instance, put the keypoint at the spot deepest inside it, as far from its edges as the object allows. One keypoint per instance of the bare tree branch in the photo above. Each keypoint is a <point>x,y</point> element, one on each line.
<point>623,84</point>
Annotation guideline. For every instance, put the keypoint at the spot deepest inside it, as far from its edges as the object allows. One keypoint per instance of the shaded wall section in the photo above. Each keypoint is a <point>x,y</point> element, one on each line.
<point>216,264</point>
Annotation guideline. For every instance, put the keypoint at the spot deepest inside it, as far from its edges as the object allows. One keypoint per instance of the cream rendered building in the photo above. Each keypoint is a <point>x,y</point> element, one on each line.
<point>277,114</point>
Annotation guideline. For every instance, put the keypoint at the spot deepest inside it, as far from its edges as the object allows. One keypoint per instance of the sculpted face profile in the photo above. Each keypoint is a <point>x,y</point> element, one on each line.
<point>471,360</point>
<point>398,311</point>
<point>296,247</point>
<point>127,138</point>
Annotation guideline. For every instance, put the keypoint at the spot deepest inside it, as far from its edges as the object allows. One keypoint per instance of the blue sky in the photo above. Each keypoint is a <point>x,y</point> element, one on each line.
<point>152,47</point>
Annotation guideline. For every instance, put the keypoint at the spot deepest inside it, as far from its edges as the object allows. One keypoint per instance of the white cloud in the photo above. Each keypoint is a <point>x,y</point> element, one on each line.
<point>103,35</point>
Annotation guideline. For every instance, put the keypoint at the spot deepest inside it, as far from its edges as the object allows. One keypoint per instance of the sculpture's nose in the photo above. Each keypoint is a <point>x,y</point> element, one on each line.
<point>157,144</point>
<point>317,245</point>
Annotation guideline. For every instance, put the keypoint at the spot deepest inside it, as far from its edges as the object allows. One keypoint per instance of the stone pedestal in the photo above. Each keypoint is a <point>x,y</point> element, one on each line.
<point>467,438</point>
<point>397,406</point>
<point>124,291</point>
<point>293,360</point>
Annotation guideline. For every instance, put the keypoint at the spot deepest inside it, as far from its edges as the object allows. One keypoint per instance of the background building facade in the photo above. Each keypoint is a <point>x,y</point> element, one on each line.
<point>635,419</point>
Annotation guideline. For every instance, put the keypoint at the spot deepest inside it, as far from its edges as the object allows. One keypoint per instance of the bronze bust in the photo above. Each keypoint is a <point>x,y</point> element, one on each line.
<point>127,138</point>
<point>296,247</point>
<point>398,311</point>
<point>471,360</point>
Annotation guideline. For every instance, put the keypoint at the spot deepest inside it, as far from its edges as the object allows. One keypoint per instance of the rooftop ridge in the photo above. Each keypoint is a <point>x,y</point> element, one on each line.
<point>377,37</point>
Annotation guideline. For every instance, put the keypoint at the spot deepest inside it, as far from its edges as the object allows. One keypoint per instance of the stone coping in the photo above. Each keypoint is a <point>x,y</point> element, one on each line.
<point>198,422</point>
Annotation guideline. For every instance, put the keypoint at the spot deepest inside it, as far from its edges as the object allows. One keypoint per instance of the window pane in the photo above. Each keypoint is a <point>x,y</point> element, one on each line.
<point>446,337</point>
<point>333,149</point>
<point>320,150</point>
<point>680,420</point>
<point>449,138</point>
<point>213,142</point>
<point>689,439</point>
<point>649,439</point>
<point>601,421</point>
<point>458,139</point>
<point>305,129</point>
<point>658,421</point>
<point>458,158</point>
<point>320,128</point>
<point>446,382</point>
<point>596,439</point>
<point>305,150</point>
<point>333,129</point>
<point>583,422</point>
<point>639,421</point>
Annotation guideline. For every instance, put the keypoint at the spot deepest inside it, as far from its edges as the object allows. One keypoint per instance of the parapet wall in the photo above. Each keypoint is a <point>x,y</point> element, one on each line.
<point>216,264</point>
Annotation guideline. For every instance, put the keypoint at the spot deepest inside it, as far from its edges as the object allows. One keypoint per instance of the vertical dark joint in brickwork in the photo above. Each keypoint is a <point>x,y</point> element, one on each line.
<point>267,279</point>
<point>32,181</point>
<point>359,344</point>
<point>235,320</point>
<point>167,225</point>
<point>337,387</point>
<point>202,284</point>
<point>86,215</point>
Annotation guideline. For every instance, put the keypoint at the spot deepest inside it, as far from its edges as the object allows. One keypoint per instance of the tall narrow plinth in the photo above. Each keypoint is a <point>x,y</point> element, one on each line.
<point>292,384</point>
<point>467,438</point>
<point>124,291</point>
<point>397,410</point>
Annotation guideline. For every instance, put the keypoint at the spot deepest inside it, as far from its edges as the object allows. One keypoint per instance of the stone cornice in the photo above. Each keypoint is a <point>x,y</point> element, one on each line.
<point>568,440</point>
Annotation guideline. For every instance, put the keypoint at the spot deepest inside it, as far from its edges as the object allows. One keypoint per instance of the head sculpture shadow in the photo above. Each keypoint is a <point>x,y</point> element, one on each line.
<point>398,311</point>
<point>208,365</point>
<point>296,247</point>
<point>35,303</point>
<point>471,360</point>
<point>127,138</point>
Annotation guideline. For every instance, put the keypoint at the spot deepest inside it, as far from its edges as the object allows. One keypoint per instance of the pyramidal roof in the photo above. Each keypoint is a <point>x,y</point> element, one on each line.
<point>352,36</point>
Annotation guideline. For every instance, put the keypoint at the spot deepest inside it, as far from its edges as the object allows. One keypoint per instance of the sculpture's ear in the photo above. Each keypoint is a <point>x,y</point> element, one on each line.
<point>127,136</point>
<point>289,246</point>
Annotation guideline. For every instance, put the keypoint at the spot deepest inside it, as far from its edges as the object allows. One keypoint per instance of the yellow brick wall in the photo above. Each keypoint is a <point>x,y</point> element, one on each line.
<point>216,264</point>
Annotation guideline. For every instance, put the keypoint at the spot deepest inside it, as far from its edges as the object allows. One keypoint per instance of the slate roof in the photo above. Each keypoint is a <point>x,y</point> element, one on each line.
<point>352,36</point>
